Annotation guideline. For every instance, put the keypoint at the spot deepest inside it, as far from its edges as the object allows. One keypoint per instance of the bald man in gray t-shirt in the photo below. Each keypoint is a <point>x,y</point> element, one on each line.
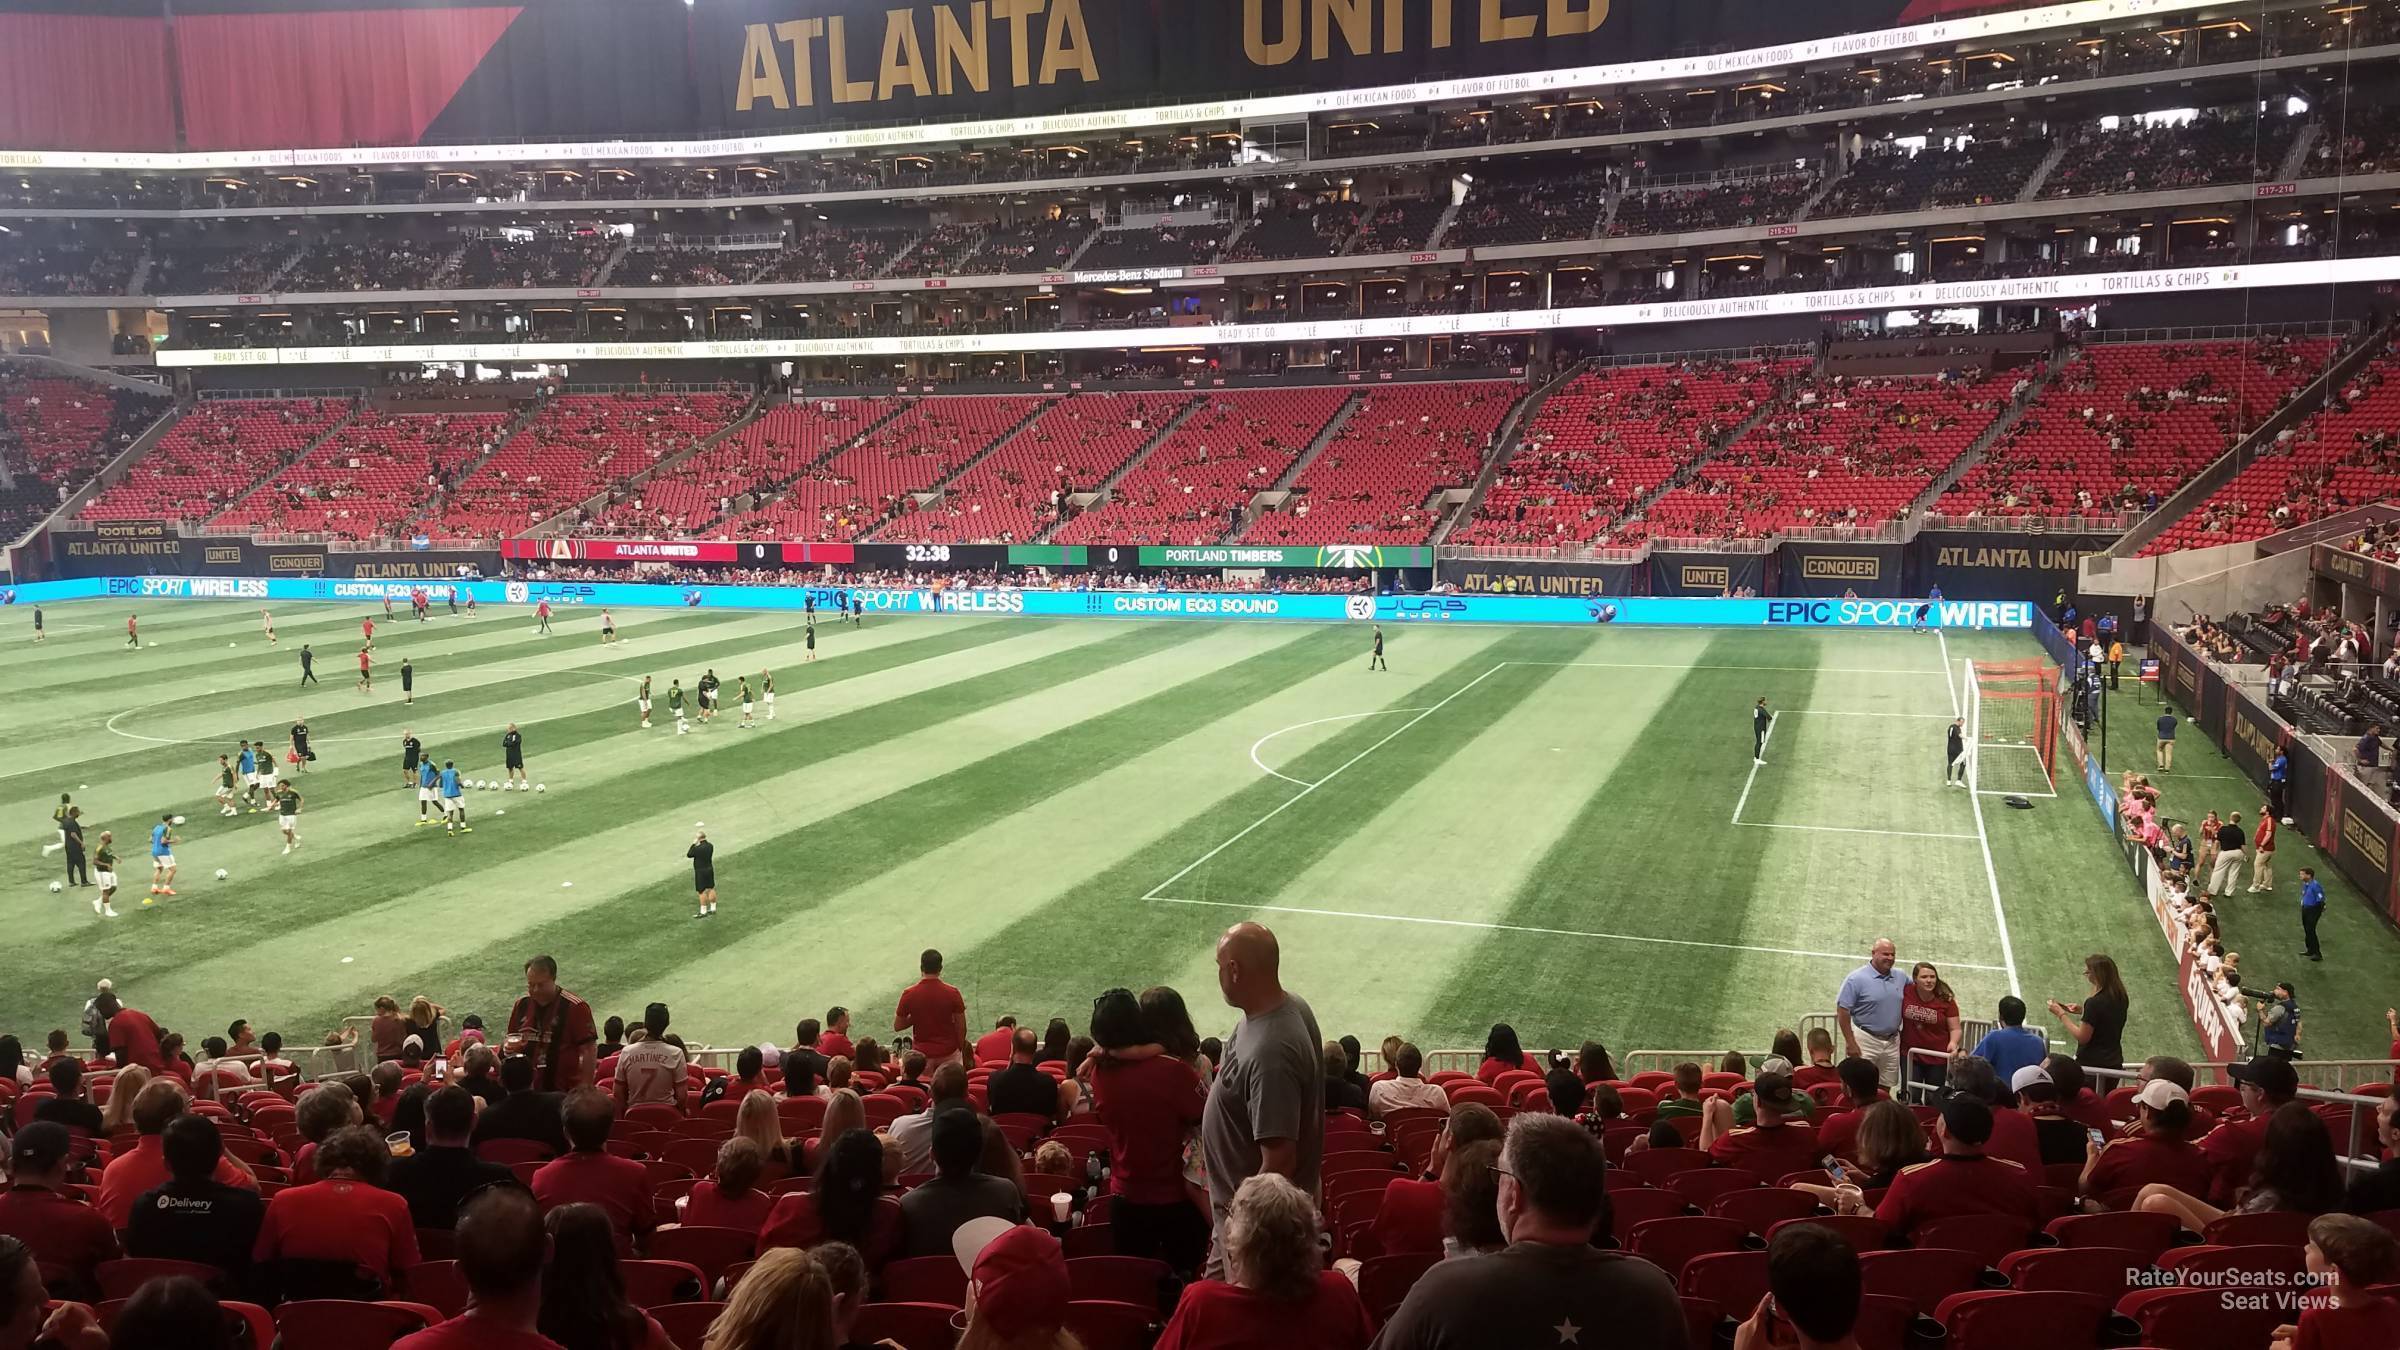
<point>1266,1107</point>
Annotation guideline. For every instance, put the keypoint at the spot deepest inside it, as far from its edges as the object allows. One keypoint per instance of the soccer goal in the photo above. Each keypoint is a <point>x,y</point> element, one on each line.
<point>2012,727</point>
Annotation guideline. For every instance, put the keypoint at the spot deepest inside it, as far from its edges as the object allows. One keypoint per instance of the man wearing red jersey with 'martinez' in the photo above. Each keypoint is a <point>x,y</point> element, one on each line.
<point>555,1028</point>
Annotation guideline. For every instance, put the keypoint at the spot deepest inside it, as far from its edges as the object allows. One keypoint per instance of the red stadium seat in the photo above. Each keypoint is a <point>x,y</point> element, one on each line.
<point>1732,1281</point>
<point>1988,1236</point>
<point>2103,1272</point>
<point>1383,1281</point>
<point>912,1326</point>
<point>687,1324</point>
<point>1922,1275</point>
<point>341,1324</point>
<point>2201,1319</point>
<point>2006,1319</point>
<point>1671,1243</point>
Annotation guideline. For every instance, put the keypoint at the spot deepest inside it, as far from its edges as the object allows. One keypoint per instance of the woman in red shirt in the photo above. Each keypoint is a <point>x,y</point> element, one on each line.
<point>1928,1021</point>
<point>1501,1054</point>
<point>731,1198</point>
<point>1278,1292</point>
<point>345,1217</point>
<point>1149,1105</point>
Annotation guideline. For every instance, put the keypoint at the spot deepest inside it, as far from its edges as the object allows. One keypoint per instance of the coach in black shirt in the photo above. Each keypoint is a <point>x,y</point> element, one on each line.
<point>195,1217</point>
<point>442,1173</point>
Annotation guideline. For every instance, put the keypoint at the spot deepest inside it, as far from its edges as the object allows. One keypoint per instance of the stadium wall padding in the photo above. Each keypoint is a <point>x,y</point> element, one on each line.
<point>1839,569</point>
<point>315,73</point>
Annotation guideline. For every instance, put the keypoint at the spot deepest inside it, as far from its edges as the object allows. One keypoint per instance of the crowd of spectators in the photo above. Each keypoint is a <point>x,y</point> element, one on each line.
<point>2216,147</point>
<point>381,265</point>
<point>1749,200</point>
<point>551,260</point>
<point>551,1177</point>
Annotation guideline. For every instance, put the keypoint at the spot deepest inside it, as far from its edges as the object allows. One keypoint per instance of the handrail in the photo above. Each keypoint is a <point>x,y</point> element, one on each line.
<point>2223,332</point>
<point>2013,524</point>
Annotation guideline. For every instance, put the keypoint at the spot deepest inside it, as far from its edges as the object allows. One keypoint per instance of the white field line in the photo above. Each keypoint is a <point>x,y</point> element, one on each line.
<point>1755,761</point>
<point>1296,798</point>
<point>1983,841</point>
<point>1698,665</point>
<point>1300,726</point>
<point>1851,957</point>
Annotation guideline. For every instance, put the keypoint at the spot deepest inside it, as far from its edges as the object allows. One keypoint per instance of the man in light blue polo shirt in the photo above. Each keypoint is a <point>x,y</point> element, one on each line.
<point>1869,1011</point>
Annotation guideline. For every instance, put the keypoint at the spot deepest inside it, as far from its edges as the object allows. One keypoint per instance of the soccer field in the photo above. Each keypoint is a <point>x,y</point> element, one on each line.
<point>1562,829</point>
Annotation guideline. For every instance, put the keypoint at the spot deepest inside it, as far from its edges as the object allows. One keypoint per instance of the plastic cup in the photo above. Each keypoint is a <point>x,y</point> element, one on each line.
<point>1374,1127</point>
<point>399,1144</point>
<point>1848,1199</point>
<point>1061,1205</point>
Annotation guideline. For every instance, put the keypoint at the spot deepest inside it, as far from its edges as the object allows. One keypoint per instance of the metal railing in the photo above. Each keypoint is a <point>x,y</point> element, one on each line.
<point>2019,524</point>
<point>1546,552</point>
<point>1761,352</point>
<point>2226,332</point>
<point>1698,543</point>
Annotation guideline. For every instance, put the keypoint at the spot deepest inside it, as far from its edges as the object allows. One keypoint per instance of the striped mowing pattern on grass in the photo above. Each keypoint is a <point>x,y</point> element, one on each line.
<point>1511,824</point>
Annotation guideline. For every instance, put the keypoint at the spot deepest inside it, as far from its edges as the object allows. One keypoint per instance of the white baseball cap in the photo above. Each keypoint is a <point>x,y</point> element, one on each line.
<point>2158,1094</point>
<point>2028,1076</point>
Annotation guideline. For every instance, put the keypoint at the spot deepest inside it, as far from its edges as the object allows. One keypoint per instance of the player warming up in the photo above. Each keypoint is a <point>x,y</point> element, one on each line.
<point>39,636</point>
<point>812,641</point>
<point>268,621</point>
<point>287,815</point>
<point>709,684</point>
<point>429,791</point>
<point>162,859</point>
<point>512,750</point>
<point>408,683</point>
<point>301,754</point>
<point>747,719</point>
<point>675,705</point>
<point>225,806</point>
<point>1956,775</point>
<point>454,801</point>
<point>766,680</point>
<point>704,870</point>
<point>1375,659</point>
<point>541,614</point>
<point>308,666</point>
<point>1761,722</point>
<point>133,635</point>
<point>58,818</point>
<point>608,628</point>
<point>245,763</point>
<point>642,701</point>
<point>104,871</point>
<point>366,670</point>
<point>366,626</point>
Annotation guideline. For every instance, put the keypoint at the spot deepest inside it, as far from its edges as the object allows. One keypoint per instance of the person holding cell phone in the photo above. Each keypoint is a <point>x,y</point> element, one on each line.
<point>2161,1152</point>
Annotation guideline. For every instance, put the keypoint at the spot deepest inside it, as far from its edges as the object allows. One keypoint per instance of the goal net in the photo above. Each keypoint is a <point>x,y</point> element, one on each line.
<point>2012,727</point>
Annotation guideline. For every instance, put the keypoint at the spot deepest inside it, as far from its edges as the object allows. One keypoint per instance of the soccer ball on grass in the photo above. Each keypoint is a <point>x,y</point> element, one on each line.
<point>222,874</point>
<point>56,887</point>
<point>539,788</point>
<point>176,820</point>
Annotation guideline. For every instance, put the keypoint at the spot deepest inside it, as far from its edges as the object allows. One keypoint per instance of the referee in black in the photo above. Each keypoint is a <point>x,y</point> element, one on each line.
<point>1957,773</point>
<point>1761,722</point>
<point>412,752</point>
<point>704,871</point>
<point>408,682</point>
<point>1375,661</point>
<point>308,665</point>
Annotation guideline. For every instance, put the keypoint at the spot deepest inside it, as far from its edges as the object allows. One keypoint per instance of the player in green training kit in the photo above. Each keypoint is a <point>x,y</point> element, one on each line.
<point>766,680</point>
<point>58,819</point>
<point>104,868</point>
<point>747,719</point>
<point>225,806</point>
<point>675,705</point>
<point>287,815</point>
<point>642,700</point>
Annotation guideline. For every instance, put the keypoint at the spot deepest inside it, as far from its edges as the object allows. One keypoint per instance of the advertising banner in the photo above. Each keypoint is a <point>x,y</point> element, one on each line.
<point>428,565</point>
<point>2218,1024</point>
<point>118,546</point>
<point>2002,565</point>
<point>1510,576</point>
<point>1842,569</point>
<point>770,76</point>
<point>1707,573</point>
<point>1636,611</point>
<point>2355,568</point>
<point>1341,557</point>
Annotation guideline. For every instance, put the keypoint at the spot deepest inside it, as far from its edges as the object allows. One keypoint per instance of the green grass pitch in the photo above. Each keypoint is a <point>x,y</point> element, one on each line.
<point>1530,825</point>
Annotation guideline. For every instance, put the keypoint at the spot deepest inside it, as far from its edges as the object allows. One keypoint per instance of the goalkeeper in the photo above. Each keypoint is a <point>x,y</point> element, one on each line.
<point>1957,776</point>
